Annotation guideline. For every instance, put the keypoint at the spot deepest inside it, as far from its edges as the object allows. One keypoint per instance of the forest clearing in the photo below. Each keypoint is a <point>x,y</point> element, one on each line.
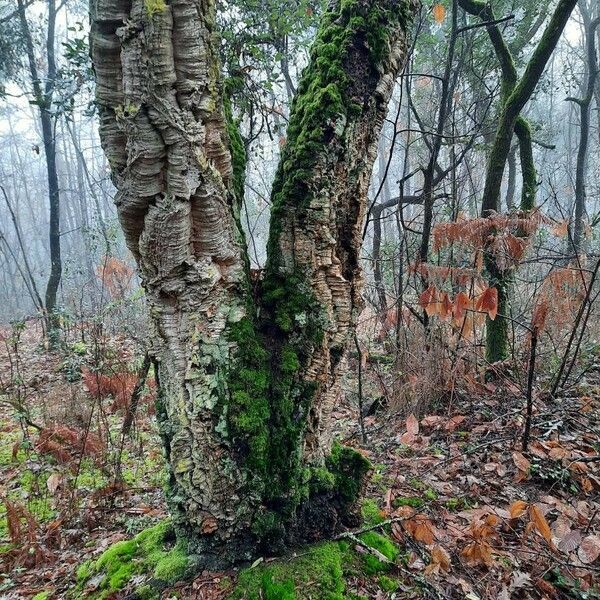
<point>298,301</point>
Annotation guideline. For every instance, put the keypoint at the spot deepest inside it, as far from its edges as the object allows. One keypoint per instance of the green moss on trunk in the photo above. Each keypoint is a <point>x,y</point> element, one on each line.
<point>269,397</point>
<point>497,347</point>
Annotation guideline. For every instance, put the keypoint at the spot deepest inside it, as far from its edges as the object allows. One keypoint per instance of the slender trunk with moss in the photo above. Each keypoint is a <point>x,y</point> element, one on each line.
<point>247,375</point>
<point>516,92</point>
<point>43,97</point>
<point>584,103</point>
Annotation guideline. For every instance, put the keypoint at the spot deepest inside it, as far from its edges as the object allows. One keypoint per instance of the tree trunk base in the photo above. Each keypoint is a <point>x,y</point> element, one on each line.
<point>330,506</point>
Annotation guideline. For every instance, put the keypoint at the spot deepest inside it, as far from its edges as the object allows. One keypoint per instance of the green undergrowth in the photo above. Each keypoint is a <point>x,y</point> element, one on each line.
<point>153,553</point>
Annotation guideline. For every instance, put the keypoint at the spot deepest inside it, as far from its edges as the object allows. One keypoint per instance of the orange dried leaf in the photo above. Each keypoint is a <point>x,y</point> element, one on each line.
<point>540,314</point>
<point>461,304</point>
<point>445,306</point>
<point>439,13</point>
<point>427,296</point>
<point>478,553</point>
<point>423,532</point>
<point>537,517</point>
<point>420,528</point>
<point>521,462</point>
<point>517,509</point>
<point>441,557</point>
<point>561,229</point>
<point>488,302</point>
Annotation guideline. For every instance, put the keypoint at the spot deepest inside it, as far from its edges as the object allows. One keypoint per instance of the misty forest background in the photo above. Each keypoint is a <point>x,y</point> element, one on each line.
<point>486,474</point>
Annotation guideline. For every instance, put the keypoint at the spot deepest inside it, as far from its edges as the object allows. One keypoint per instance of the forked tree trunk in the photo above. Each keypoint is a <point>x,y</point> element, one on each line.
<point>248,373</point>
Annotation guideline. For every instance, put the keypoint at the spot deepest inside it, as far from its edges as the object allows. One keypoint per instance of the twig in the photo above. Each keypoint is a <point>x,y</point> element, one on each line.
<point>361,418</point>
<point>530,376</point>
<point>136,394</point>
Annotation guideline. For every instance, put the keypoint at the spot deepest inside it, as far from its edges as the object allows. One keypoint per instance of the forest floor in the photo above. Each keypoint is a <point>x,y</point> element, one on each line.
<point>455,508</point>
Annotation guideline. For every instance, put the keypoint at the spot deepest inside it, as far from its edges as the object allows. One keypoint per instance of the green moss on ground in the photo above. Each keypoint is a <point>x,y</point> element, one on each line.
<point>315,573</point>
<point>371,512</point>
<point>152,552</point>
<point>319,572</point>
<point>381,543</point>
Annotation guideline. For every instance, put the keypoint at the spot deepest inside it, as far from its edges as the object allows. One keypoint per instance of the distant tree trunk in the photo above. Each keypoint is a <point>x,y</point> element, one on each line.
<point>448,86</point>
<point>43,99</point>
<point>516,92</point>
<point>247,375</point>
<point>584,103</point>
<point>29,278</point>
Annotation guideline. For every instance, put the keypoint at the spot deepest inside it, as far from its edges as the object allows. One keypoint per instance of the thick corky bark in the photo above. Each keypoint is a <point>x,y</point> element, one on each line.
<point>247,377</point>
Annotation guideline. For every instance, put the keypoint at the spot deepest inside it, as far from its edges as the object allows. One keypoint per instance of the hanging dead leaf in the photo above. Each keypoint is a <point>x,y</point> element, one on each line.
<point>429,301</point>
<point>445,306</point>
<point>540,313</point>
<point>561,229</point>
<point>488,302</point>
<point>461,304</point>
<point>439,13</point>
